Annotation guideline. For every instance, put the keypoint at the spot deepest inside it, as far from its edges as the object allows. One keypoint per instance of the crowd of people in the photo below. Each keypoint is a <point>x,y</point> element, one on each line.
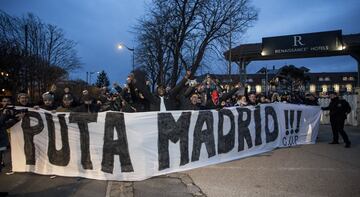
<point>136,96</point>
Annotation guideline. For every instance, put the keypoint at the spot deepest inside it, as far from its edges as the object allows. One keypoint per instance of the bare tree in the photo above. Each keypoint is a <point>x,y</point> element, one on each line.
<point>184,30</point>
<point>36,54</point>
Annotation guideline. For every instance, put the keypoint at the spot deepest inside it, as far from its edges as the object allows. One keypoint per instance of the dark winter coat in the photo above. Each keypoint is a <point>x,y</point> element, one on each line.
<point>6,122</point>
<point>170,99</point>
<point>311,102</point>
<point>339,108</point>
<point>185,103</point>
<point>92,108</point>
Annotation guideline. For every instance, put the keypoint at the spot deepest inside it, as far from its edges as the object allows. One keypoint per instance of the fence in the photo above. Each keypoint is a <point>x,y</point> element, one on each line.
<point>352,118</point>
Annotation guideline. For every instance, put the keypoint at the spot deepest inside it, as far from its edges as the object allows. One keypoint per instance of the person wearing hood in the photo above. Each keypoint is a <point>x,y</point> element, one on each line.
<point>48,102</point>
<point>67,104</point>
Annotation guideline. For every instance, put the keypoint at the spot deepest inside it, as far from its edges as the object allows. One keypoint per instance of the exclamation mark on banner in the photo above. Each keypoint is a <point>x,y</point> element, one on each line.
<point>292,113</point>
<point>298,121</point>
<point>287,121</point>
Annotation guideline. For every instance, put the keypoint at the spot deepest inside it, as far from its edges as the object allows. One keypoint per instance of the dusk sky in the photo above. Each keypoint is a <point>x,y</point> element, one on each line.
<point>98,25</point>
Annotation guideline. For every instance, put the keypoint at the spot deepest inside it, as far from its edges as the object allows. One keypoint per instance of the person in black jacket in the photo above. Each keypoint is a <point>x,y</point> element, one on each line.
<point>189,100</point>
<point>339,108</point>
<point>252,99</point>
<point>67,104</point>
<point>88,105</point>
<point>161,101</point>
<point>8,117</point>
<point>310,99</point>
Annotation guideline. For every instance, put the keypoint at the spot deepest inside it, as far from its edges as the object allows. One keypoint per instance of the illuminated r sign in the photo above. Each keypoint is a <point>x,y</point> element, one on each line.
<point>297,41</point>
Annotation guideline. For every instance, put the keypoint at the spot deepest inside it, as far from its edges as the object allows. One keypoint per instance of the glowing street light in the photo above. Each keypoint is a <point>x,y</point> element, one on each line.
<point>2,73</point>
<point>121,46</point>
<point>341,47</point>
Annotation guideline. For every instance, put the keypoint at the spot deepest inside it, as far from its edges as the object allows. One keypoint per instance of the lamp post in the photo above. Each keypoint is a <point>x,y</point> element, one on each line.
<point>121,46</point>
<point>266,81</point>
<point>88,76</point>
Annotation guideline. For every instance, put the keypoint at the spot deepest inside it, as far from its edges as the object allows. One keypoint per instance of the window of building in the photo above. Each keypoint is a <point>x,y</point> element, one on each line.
<point>345,78</point>
<point>324,88</point>
<point>250,80</point>
<point>336,87</point>
<point>351,78</point>
<point>312,88</point>
<point>327,79</point>
<point>321,79</point>
<point>258,88</point>
<point>348,87</point>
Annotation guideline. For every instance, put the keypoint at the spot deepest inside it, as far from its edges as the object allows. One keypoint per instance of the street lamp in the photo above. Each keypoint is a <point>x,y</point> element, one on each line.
<point>121,46</point>
<point>88,76</point>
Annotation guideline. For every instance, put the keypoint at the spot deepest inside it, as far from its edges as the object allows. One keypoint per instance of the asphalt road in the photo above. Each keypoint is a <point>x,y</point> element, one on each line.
<point>310,170</point>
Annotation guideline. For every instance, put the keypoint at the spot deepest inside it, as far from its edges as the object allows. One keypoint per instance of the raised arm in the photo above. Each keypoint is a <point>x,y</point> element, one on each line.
<point>227,95</point>
<point>175,91</point>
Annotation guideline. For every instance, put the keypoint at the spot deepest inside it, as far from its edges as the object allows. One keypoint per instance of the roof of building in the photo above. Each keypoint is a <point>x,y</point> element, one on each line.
<point>252,51</point>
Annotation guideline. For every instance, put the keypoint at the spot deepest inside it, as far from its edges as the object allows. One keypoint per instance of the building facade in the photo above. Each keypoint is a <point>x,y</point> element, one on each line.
<point>316,83</point>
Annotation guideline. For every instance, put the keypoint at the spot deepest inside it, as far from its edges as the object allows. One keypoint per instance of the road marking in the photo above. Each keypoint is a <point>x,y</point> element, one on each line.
<point>108,189</point>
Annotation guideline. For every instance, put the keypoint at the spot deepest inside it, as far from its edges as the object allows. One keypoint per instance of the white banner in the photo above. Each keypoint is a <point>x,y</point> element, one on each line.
<point>136,146</point>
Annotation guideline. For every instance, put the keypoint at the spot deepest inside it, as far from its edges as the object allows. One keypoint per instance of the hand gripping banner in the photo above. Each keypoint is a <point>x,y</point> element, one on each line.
<point>135,146</point>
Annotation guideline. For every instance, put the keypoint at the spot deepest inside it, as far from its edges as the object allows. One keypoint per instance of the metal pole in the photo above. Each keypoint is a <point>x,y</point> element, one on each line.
<point>90,78</point>
<point>266,81</point>
<point>242,74</point>
<point>133,59</point>
<point>358,78</point>
<point>229,66</point>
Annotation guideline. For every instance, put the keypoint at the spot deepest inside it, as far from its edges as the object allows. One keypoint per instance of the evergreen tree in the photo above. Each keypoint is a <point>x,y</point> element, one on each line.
<point>102,80</point>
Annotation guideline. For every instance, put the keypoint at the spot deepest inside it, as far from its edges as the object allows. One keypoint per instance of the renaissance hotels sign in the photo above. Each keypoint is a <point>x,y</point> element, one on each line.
<point>135,146</point>
<point>302,44</point>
